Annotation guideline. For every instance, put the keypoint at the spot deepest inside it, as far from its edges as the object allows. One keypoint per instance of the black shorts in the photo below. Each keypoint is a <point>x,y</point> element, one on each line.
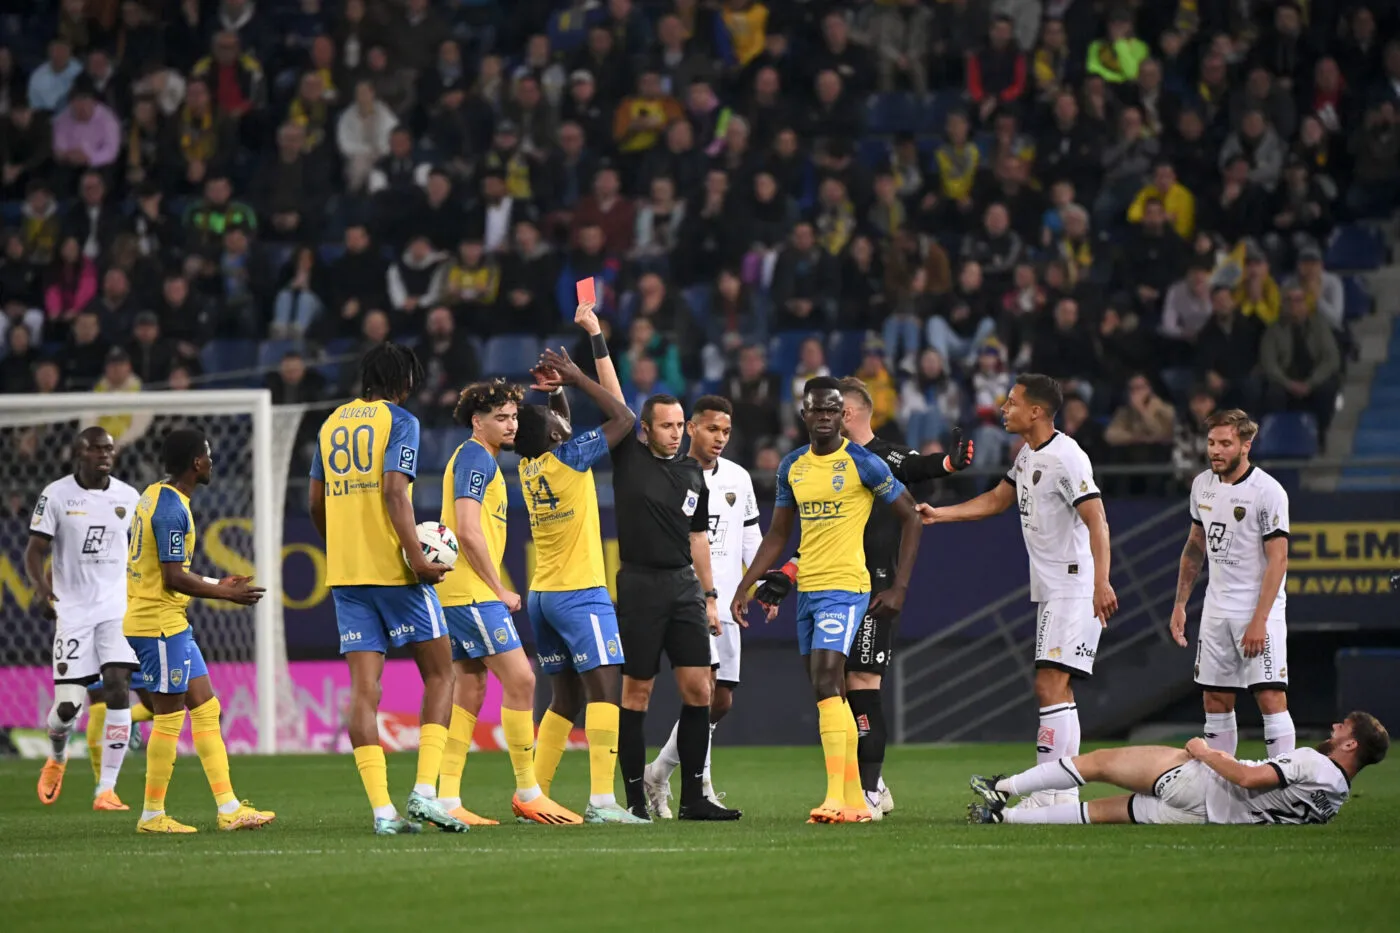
<point>661,610</point>
<point>873,647</point>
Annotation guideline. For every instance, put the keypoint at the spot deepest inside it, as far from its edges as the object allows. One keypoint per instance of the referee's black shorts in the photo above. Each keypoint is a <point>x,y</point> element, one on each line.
<point>661,610</point>
<point>872,649</point>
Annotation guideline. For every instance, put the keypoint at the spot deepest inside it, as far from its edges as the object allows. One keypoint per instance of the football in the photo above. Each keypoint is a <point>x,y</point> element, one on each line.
<point>438,542</point>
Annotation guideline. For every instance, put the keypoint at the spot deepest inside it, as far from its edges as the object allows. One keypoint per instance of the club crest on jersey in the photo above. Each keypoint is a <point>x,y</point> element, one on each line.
<point>731,498</point>
<point>502,636</point>
<point>1035,477</point>
<point>121,511</point>
<point>1239,513</point>
<point>176,675</point>
<point>837,482</point>
<point>692,502</point>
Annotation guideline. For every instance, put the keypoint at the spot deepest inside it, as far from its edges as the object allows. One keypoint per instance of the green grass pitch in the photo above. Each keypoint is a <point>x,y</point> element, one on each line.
<point>320,868</point>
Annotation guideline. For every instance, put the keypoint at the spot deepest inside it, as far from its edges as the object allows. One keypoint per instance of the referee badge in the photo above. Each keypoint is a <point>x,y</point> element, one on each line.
<point>692,501</point>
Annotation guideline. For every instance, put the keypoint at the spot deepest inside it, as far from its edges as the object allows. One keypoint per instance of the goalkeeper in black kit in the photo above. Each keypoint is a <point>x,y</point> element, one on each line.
<point>874,641</point>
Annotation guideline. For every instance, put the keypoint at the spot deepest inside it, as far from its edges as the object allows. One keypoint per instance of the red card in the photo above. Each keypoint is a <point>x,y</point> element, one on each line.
<point>585,290</point>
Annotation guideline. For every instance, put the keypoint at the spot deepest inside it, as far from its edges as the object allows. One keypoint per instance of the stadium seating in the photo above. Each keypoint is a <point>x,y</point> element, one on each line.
<point>1287,435</point>
<point>230,362</point>
<point>511,355</point>
<point>1355,247</point>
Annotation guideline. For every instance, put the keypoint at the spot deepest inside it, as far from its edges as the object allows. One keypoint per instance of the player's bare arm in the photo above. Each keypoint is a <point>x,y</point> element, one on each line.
<point>474,548</point>
<point>586,317</point>
<point>316,505</point>
<point>891,600</point>
<point>1275,566</point>
<point>35,553</point>
<point>700,558</point>
<point>238,590</point>
<point>992,502</point>
<point>400,508</point>
<point>1193,556</point>
<point>618,420</point>
<point>774,543</point>
<point>1092,514</point>
<point>1251,777</point>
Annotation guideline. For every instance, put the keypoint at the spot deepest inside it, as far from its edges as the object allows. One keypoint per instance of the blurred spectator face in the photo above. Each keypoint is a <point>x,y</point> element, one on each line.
<point>197,98</point>
<point>419,247</point>
<point>764,187</point>
<point>970,277</point>
<point>59,54</point>
<point>377,59</point>
<point>82,106</point>
<point>736,136</point>
<point>1154,215</point>
<point>115,287</point>
<point>292,369</point>
<point>71,250</point>
<point>18,339</point>
<point>1252,126</point>
<point>1296,303</point>
<point>1213,69</point>
<point>811,357</point>
<point>1066,314</point>
<point>996,220</point>
<point>14,248</point>
<point>1237,170</point>
<point>571,139</point>
<point>401,143</point>
<point>700,96</point>
<point>872,363</point>
<point>117,371</point>
<point>835,31</point>
<point>1222,303</point>
<point>527,237</point>
<point>988,360</point>
<point>1075,413</point>
<point>582,90</point>
<point>1286,20</point>
<point>470,252</point>
<point>1130,124</point>
<point>884,188</point>
<point>1066,109</point>
<point>290,140</point>
<point>1062,193</point>
<point>591,240</point>
<point>439,187</point>
<point>1170,43</point>
<point>1363,24</point>
<point>1259,83</point>
<point>38,200</point>
<point>1256,268</point>
<point>833,192</point>
<point>663,191</point>
<point>1119,27</point>
<point>311,88</point>
<point>86,328</point>
<point>46,376</point>
<point>1190,125</point>
<point>730,286</point>
<point>644,374</point>
<point>649,85</point>
<point>146,332</point>
<point>605,184</point>
<point>1001,33</point>
<point>537,49</point>
<point>1295,175</point>
<point>217,191</point>
<point>364,97</point>
<point>527,92</point>
<point>653,290</point>
<point>1053,35</point>
<point>322,53</point>
<point>376,327</point>
<point>175,290</point>
<point>226,48</point>
<point>1150,75</point>
<point>493,188</point>
<point>641,332</point>
<point>861,251</point>
<point>1202,405</point>
<point>356,239</point>
<point>785,143</point>
<point>449,54</point>
<point>931,364</point>
<point>440,323</point>
<point>1024,276</point>
<point>1199,280</point>
<point>828,87</point>
<point>1163,178</point>
<point>235,242</point>
<point>93,190</point>
<point>1139,389</point>
<point>179,380</point>
<point>957,128</point>
<point>765,83</point>
<point>670,31</point>
<point>751,363</point>
<point>679,136</point>
<point>1327,75</point>
<point>802,238</point>
<point>98,64</point>
<point>767,460</point>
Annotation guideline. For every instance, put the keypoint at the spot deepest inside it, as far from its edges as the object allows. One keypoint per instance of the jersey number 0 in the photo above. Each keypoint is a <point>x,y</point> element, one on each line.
<point>351,448</point>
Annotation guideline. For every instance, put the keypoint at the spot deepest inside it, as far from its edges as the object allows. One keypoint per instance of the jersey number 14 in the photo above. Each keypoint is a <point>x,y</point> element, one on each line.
<point>541,495</point>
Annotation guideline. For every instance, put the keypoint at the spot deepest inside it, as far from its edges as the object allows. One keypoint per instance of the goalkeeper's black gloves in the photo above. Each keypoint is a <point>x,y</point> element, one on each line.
<point>960,457</point>
<point>774,585</point>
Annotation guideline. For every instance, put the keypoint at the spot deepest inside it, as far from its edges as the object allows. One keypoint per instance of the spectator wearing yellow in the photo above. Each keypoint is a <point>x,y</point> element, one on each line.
<point>747,24</point>
<point>836,216</point>
<point>117,376</point>
<point>1257,294</point>
<point>958,160</point>
<point>1050,65</point>
<point>1178,202</point>
<point>310,111</point>
<point>884,396</point>
<point>1116,57</point>
<point>641,118</point>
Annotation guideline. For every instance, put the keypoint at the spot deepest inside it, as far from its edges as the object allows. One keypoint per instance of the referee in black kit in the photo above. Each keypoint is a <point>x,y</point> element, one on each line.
<point>665,599</point>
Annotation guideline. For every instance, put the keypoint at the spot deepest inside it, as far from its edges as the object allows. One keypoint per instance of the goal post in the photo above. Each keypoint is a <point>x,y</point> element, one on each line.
<point>239,524</point>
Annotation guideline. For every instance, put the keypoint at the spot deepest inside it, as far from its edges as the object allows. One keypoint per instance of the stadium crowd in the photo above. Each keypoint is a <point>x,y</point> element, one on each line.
<point>1133,197</point>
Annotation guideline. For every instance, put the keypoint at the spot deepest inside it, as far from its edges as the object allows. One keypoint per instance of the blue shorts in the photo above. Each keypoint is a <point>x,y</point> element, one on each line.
<point>480,630</point>
<point>168,663</point>
<point>575,630</point>
<point>828,619</point>
<point>374,618</point>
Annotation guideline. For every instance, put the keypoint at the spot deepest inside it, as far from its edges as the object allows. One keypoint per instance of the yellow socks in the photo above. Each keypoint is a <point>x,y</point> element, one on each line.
<point>369,759</point>
<point>209,746</point>
<point>855,796</point>
<point>141,713</point>
<point>519,727</point>
<point>432,741</point>
<point>550,745</point>
<point>600,725</point>
<point>831,723</point>
<point>97,721</point>
<point>160,760</point>
<point>454,754</point>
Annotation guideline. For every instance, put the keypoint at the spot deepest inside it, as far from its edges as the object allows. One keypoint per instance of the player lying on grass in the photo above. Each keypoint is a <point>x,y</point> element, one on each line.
<point>1198,784</point>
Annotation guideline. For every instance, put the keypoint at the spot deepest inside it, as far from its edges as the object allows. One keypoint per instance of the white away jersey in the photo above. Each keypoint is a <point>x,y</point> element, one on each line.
<point>88,528</point>
<point>1238,518</point>
<point>1313,788</point>
<point>1050,482</point>
<point>734,534</point>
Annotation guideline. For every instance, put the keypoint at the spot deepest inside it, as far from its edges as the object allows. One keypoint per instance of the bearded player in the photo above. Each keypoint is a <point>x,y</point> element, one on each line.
<point>83,519</point>
<point>831,485</point>
<point>478,607</point>
<point>734,539</point>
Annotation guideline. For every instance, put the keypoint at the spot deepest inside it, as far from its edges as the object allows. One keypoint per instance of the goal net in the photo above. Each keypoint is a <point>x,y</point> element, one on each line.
<point>238,519</point>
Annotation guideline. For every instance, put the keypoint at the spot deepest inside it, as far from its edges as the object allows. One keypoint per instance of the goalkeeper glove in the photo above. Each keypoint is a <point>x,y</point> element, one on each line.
<point>961,456</point>
<point>774,585</point>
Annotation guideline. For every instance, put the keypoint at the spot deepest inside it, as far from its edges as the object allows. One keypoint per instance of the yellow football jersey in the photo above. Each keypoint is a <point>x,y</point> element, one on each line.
<point>563,505</point>
<point>162,532</point>
<point>357,445</point>
<point>833,496</point>
<point>472,473</point>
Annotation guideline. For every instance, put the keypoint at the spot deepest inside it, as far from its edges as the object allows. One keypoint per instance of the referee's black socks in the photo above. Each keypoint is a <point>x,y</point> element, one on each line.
<point>692,742</point>
<point>870,723</point>
<point>632,756</point>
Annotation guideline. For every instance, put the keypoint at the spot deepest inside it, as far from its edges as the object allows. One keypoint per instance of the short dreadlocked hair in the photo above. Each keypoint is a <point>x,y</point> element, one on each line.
<point>181,449</point>
<point>532,431</point>
<point>482,398</point>
<point>390,371</point>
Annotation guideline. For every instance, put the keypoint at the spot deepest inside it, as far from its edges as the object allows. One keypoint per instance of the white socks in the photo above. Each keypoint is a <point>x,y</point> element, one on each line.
<point>425,790</point>
<point>1058,738</point>
<point>59,731</point>
<point>1062,813</point>
<point>386,813</point>
<point>1221,732</point>
<point>707,753</point>
<point>450,803</point>
<point>669,758</point>
<point>529,793</point>
<point>602,801</point>
<point>1058,775</point>
<point>1279,736</point>
<point>230,806</point>
<point>116,735</point>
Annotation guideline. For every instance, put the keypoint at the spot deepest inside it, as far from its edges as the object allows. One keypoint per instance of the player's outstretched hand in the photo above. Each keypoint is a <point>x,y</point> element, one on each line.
<point>1252,645</point>
<point>960,457</point>
<point>1197,747</point>
<point>241,590</point>
<point>586,316</point>
<point>568,372</point>
<point>927,513</point>
<point>888,603</point>
<point>1105,602</point>
<point>1179,625</point>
